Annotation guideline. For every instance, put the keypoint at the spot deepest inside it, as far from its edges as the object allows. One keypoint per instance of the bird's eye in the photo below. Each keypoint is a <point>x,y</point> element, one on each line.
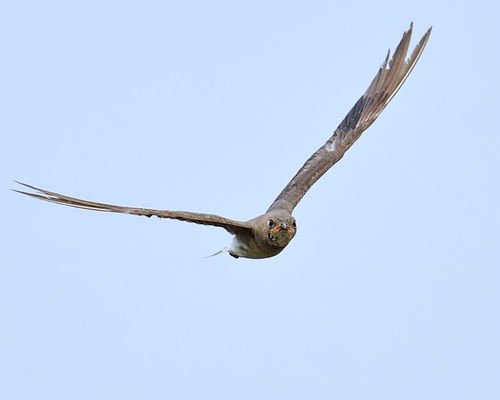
<point>294,224</point>
<point>270,223</point>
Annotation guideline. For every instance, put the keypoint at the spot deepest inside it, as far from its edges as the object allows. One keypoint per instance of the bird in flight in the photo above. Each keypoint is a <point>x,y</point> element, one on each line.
<point>268,234</point>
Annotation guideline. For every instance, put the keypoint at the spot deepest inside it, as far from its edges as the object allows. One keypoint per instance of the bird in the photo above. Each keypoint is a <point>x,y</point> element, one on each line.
<point>268,234</point>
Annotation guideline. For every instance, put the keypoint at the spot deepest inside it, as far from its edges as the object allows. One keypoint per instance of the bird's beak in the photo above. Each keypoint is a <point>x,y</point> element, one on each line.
<point>283,226</point>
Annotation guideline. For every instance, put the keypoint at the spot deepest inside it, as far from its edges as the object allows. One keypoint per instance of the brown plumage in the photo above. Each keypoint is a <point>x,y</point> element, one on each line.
<point>269,233</point>
<point>384,86</point>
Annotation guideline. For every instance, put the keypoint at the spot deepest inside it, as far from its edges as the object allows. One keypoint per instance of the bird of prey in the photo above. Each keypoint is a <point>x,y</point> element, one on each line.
<point>268,234</point>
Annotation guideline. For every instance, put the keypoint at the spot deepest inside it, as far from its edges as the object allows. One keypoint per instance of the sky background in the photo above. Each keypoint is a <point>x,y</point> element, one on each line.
<point>391,287</point>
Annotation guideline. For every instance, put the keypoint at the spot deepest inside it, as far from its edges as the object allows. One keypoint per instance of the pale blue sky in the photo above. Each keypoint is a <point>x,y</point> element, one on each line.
<point>391,288</point>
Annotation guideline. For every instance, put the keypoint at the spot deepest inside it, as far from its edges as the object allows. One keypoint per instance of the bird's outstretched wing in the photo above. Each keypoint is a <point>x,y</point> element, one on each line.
<point>233,227</point>
<point>387,82</point>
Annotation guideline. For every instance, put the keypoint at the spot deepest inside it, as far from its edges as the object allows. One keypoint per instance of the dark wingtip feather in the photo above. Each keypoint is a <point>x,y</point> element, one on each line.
<point>28,186</point>
<point>35,195</point>
<point>41,193</point>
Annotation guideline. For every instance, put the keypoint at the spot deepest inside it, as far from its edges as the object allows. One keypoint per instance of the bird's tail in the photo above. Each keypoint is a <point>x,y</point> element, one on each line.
<point>224,250</point>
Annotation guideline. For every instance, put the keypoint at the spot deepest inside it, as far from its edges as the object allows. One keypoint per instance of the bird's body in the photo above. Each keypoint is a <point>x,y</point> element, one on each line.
<point>268,234</point>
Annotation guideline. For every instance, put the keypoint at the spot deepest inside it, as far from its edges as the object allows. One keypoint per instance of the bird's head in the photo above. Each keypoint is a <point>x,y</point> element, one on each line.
<point>276,229</point>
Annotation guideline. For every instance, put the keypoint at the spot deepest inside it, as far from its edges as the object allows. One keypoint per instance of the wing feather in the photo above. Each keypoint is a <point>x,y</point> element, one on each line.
<point>232,226</point>
<point>382,89</point>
